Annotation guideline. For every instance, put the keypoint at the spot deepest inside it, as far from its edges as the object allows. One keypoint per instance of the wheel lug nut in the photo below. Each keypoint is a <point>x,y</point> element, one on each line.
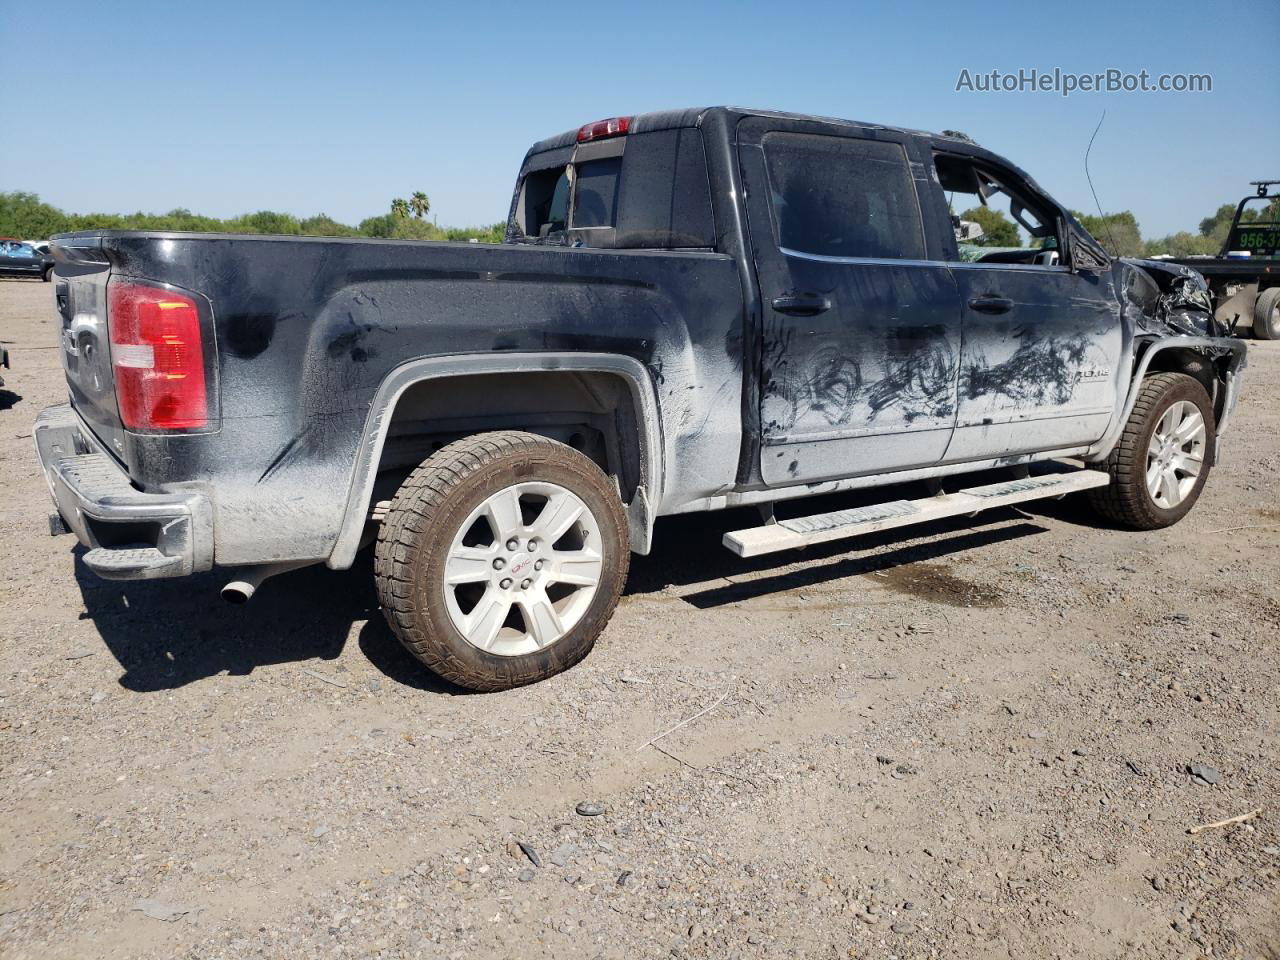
<point>506,584</point>
<point>533,545</point>
<point>513,544</point>
<point>525,584</point>
<point>499,563</point>
<point>538,565</point>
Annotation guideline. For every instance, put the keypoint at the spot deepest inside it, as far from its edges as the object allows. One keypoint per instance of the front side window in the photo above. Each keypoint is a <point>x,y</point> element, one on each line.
<point>843,197</point>
<point>995,219</point>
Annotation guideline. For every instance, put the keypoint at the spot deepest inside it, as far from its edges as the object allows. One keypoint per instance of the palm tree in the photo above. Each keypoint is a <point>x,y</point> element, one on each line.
<point>419,203</point>
<point>400,207</point>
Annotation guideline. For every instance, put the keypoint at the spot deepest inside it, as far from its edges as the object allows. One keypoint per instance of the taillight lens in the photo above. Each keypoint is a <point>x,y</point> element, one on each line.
<point>613,127</point>
<point>157,357</point>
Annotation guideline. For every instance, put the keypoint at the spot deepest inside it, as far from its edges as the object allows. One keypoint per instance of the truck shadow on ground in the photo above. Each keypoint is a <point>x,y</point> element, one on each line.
<point>170,633</point>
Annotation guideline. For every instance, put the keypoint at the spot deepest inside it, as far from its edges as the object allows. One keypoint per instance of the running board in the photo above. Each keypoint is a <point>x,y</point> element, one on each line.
<point>838,524</point>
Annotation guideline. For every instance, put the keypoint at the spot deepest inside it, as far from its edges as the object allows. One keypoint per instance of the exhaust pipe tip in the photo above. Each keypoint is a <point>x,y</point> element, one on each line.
<point>238,592</point>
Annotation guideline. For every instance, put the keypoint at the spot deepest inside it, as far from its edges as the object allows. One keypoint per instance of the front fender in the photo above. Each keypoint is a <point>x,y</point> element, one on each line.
<point>1236,352</point>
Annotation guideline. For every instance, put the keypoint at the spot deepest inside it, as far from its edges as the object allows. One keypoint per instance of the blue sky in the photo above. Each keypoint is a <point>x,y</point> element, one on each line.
<point>229,107</point>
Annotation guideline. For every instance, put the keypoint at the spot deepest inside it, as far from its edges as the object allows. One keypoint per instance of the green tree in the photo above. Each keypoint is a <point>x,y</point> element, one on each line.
<point>400,207</point>
<point>1118,233</point>
<point>420,204</point>
<point>1181,244</point>
<point>322,225</point>
<point>23,215</point>
<point>997,230</point>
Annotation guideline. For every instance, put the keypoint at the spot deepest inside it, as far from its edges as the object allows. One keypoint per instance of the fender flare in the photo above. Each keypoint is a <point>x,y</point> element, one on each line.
<point>378,421</point>
<point>1239,353</point>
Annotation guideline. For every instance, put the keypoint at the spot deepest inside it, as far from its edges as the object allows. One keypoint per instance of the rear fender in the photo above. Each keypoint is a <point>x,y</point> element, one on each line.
<point>639,511</point>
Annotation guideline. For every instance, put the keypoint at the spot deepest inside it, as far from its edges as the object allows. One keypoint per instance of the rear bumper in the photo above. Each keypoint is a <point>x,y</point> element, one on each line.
<point>131,535</point>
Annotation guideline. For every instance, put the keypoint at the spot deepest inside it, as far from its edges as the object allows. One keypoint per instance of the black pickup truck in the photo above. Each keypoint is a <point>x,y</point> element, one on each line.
<point>692,310</point>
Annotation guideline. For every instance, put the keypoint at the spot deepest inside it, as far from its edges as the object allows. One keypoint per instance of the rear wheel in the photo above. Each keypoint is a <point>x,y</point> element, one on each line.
<point>47,275</point>
<point>1266,315</point>
<point>501,559</point>
<point>1162,459</point>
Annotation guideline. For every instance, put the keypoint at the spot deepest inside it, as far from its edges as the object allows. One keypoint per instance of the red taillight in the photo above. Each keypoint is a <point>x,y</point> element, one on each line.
<point>613,127</point>
<point>157,357</point>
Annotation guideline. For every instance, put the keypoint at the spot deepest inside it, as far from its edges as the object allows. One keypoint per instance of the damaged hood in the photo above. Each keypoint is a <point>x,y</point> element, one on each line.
<point>1165,298</point>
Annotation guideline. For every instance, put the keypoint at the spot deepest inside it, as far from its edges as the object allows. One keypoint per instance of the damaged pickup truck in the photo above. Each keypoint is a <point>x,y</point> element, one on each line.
<point>692,310</point>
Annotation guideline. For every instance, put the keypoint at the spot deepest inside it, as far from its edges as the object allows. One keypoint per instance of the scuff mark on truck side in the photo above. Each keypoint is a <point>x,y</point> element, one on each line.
<point>1040,371</point>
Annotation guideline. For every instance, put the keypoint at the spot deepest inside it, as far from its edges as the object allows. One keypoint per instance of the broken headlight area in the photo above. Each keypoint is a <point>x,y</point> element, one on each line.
<point>1169,298</point>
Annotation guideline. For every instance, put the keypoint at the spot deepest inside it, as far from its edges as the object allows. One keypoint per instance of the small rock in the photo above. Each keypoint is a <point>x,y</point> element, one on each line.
<point>1037,733</point>
<point>98,697</point>
<point>572,879</point>
<point>1133,766</point>
<point>527,874</point>
<point>1081,751</point>
<point>588,809</point>
<point>373,684</point>
<point>903,927</point>
<point>625,878</point>
<point>562,854</point>
<point>695,931</point>
<point>1204,774</point>
<point>530,852</point>
<point>1158,882</point>
<point>663,883</point>
<point>320,831</point>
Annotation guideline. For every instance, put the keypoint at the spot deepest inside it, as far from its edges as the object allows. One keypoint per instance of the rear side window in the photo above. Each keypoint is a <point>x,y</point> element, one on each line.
<point>645,190</point>
<point>843,197</point>
<point>595,200</point>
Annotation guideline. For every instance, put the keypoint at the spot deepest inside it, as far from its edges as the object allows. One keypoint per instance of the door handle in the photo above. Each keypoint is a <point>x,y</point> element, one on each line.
<point>801,305</point>
<point>991,304</point>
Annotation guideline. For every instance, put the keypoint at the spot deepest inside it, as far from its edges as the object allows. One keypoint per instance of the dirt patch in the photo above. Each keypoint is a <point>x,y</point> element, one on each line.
<point>936,583</point>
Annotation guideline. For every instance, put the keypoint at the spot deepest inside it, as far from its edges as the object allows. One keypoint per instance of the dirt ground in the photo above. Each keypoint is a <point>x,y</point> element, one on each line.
<point>973,741</point>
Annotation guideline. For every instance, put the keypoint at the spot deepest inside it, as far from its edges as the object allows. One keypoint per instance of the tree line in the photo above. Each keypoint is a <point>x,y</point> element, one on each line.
<point>27,217</point>
<point>1120,234</point>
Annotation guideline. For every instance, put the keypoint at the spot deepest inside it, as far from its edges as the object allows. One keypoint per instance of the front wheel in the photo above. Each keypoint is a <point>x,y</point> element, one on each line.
<point>47,275</point>
<point>1161,461</point>
<point>501,559</point>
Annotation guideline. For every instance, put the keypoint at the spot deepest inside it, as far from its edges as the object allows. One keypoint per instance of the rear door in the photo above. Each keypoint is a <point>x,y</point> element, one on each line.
<point>861,329</point>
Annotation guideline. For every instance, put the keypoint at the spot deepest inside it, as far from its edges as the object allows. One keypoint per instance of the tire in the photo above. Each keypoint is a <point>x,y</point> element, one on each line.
<point>47,275</point>
<point>1266,315</point>
<point>441,516</point>
<point>1128,499</point>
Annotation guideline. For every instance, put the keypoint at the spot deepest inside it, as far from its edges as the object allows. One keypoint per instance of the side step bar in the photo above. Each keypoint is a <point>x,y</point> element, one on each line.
<point>838,524</point>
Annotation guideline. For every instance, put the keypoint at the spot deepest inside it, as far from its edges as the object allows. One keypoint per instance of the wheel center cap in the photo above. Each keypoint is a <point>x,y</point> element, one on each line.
<point>521,564</point>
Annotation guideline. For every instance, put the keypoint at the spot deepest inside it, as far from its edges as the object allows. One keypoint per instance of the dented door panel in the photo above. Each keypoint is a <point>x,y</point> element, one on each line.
<point>1044,373</point>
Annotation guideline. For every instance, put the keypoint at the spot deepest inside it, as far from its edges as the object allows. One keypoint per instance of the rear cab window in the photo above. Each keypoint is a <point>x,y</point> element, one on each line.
<point>640,190</point>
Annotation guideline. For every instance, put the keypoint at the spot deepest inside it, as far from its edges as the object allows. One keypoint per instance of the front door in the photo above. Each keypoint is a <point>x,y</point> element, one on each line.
<point>1040,367</point>
<point>861,332</point>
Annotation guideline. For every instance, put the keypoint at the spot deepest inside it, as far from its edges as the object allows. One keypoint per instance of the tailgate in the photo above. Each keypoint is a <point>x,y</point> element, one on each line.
<point>80,295</point>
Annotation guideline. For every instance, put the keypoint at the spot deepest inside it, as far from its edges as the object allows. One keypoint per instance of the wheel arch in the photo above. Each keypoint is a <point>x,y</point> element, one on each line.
<point>408,389</point>
<point>1216,362</point>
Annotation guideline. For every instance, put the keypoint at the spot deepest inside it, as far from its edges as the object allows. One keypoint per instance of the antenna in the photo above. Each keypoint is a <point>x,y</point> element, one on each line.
<point>1102,216</point>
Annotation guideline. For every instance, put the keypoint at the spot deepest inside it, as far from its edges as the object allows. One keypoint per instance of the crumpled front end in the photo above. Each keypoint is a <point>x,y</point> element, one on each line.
<point>1168,299</point>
